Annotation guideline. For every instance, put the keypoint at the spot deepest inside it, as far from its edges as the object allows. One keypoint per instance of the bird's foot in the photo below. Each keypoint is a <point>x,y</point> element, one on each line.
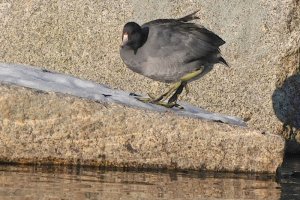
<point>151,99</point>
<point>173,93</point>
<point>169,105</point>
<point>169,98</point>
<point>158,102</point>
<point>144,99</point>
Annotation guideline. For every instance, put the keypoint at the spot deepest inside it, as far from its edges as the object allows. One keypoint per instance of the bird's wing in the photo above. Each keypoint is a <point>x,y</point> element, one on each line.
<point>189,40</point>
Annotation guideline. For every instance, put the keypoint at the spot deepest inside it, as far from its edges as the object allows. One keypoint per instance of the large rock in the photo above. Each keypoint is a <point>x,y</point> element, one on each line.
<point>41,127</point>
<point>82,38</point>
<point>286,103</point>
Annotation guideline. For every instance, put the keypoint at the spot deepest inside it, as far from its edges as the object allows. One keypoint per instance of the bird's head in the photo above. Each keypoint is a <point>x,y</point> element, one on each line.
<point>132,36</point>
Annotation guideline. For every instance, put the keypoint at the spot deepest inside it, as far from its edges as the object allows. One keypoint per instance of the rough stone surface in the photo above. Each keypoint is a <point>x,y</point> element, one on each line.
<point>38,127</point>
<point>48,81</point>
<point>82,38</point>
<point>286,104</point>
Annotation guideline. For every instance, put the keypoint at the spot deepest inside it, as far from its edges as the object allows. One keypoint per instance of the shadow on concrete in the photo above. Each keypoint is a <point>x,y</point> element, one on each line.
<point>286,104</point>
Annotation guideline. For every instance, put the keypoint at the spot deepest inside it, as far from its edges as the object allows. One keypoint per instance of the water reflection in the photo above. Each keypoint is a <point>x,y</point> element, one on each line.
<point>31,182</point>
<point>289,178</point>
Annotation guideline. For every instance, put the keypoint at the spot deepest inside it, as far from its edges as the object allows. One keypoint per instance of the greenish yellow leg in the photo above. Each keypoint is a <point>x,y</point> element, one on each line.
<point>169,105</point>
<point>163,97</point>
<point>183,84</point>
<point>173,90</point>
<point>144,99</point>
<point>152,96</point>
<point>192,75</point>
<point>176,85</point>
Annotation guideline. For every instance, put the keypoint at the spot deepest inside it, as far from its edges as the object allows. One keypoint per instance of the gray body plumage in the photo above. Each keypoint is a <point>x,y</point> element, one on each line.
<point>174,48</point>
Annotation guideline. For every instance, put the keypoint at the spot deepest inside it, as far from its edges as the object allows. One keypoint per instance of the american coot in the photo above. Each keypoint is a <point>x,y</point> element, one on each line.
<point>172,51</point>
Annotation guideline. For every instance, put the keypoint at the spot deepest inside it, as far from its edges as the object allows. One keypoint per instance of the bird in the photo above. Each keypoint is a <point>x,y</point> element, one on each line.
<point>175,51</point>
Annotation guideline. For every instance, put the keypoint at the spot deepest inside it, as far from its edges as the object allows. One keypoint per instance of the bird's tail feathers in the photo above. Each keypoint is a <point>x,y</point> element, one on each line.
<point>223,61</point>
<point>189,17</point>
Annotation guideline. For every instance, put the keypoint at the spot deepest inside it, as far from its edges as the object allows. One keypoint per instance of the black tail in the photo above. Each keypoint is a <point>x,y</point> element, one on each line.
<point>189,17</point>
<point>223,61</point>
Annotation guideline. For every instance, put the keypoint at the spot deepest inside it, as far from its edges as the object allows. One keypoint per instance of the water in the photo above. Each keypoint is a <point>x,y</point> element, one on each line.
<point>49,182</point>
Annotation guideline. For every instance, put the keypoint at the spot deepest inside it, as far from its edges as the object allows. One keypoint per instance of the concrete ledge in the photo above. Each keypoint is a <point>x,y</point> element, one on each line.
<point>46,127</point>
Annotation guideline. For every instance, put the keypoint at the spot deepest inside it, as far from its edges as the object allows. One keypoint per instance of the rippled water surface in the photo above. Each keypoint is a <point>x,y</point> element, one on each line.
<point>49,182</point>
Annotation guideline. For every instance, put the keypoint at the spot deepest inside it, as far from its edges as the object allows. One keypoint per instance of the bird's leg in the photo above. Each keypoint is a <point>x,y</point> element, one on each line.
<point>169,105</point>
<point>167,94</point>
<point>149,99</point>
<point>153,99</point>
<point>178,91</point>
<point>192,75</point>
<point>175,89</point>
<point>160,100</point>
<point>183,84</point>
<point>164,96</point>
<point>151,95</point>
